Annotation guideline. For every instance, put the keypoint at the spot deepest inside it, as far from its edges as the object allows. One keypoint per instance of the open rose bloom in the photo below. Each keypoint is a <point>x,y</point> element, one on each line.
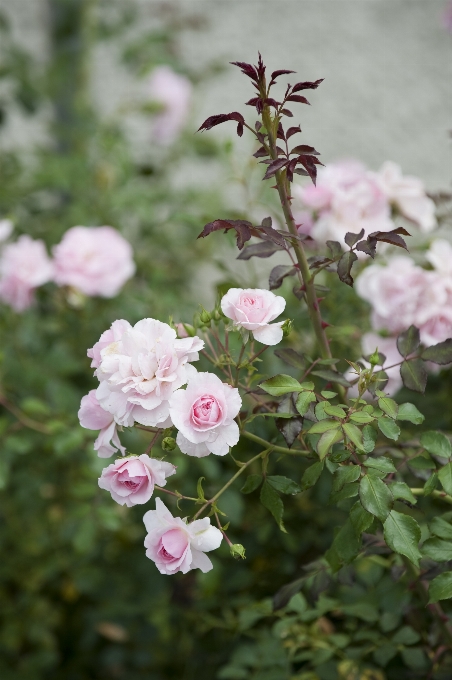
<point>204,415</point>
<point>253,309</point>
<point>139,367</point>
<point>131,481</point>
<point>24,265</point>
<point>175,545</point>
<point>93,417</point>
<point>93,260</point>
<point>408,195</point>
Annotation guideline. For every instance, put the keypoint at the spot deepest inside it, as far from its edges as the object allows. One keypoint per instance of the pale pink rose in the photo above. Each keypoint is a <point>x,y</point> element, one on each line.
<point>131,481</point>
<point>438,327</point>
<point>114,333</point>
<point>93,260</point>
<point>181,331</point>
<point>93,417</point>
<point>253,309</point>
<point>173,92</point>
<point>447,18</point>
<point>204,415</point>
<point>140,369</point>
<point>401,294</point>
<point>332,178</point>
<point>175,545</point>
<point>440,257</point>
<point>408,195</point>
<point>6,228</point>
<point>24,265</point>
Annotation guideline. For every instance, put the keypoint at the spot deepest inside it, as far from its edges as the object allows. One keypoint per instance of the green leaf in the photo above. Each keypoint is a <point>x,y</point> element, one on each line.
<point>361,417</point>
<point>251,483</point>
<point>402,534</point>
<point>440,588</point>
<point>408,341</point>
<point>382,463</point>
<point>332,376</point>
<point>445,477</point>
<point>340,456</point>
<point>311,475</point>
<point>349,491</point>
<point>309,386</point>
<point>383,655</point>
<point>328,362</point>
<point>406,636</point>
<point>271,500</point>
<point>409,412</point>
<point>354,434</point>
<point>437,549</point>
<point>344,475</point>
<point>320,410</point>
<point>347,543</point>
<point>388,406</point>
<point>326,441</point>
<point>375,496</point>
<point>328,395</point>
<point>291,357</point>
<point>436,443</point>
<point>414,375</point>
<point>389,428</point>
<point>199,489</point>
<point>280,384</point>
<point>283,484</point>
<point>360,518</point>
<point>440,353</point>
<point>370,436</point>
<point>323,426</point>
<point>430,484</point>
<point>400,490</point>
<point>303,401</point>
<point>439,527</point>
<point>335,411</point>
<point>422,462</point>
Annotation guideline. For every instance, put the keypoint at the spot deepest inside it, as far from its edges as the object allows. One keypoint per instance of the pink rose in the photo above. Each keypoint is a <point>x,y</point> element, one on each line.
<point>408,196</point>
<point>94,260</point>
<point>24,265</point>
<point>253,309</point>
<point>175,545</point>
<point>93,417</point>
<point>173,92</point>
<point>139,368</point>
<point>204,415</point>
<point>131,481</point>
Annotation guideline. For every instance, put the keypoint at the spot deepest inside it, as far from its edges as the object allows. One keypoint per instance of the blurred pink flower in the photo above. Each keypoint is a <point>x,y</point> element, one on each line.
<point>204,415</point>
<point>173,91</point>
<point>131,481</point>
<point>408,195</point>
<point>24,265</point>
<point>94,260</point>
<point>447,17</point>
<point>93,417</point>
<point>253,309</point>
<point>175,545</point>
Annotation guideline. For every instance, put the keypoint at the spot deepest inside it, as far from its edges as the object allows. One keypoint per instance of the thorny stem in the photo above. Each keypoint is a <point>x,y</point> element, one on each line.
<point>173,493</point>
<point>227,485</point>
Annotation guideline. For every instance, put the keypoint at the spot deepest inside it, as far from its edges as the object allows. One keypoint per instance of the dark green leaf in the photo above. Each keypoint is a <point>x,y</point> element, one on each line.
<point>389,428</point>
<point>354,434</point>
<point>401,491</point>
<point>360,518</point>
<point>326,441</point>
<point>323,426</point>
<point>440,353</point>
<point>291,357</point>
<point>283,484</point>
<point>370,436</point>
<point>430,484</point>
<point>410,412</point>
<point>271,500</point>
<point>402,534</point>
<point>280,384</point>
<point>439,527</point>
<point>414,375</point>
<point>406,636</point>
<point>437,549</point>
<point>436,443</point>
<point>332,376</point>
<point>382,463</point>
<point>347,543</point>
<point>348,491</point>
<point>441,587</point>
<point>335,249</point>
<point>311,475</point>
<point>375,496</point>
<point>383,655</point>
<point>423,462</point>
<point>303,401</point>
<point>344,475</point>
<point>408,341</point>
<point>251,483</point>
<point>339,456</point>
<point>389,407</point>
<point>445,477</point>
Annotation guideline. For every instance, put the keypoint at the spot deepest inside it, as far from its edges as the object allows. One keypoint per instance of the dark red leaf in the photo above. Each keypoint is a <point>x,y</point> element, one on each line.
<point>291,168</point>
<point>270,234</point>
<point>298,98</point>
<point>243,228</point>
<point>278,274</point>
<point>267,222</point>
<point>280,134</point>
<point>260,67</point>
<point>308,163</point>
<point>247,69</point>
<point>307,85</point>
<point>261,153</point>
<point>280,151</point>
<point>344,267</point>
<point>210,122</point>
<point>305,148</point>
<point>350,238</point>
<point>391,237</point>
<point>275,74</point>
<point>293,131</point>
<point>275,166</point>
<point>253,101</point>
<point>287,112</point>
<point>366,247</point>
<point>301,172</point>
<point>272,102</point>
<point>263,249</point>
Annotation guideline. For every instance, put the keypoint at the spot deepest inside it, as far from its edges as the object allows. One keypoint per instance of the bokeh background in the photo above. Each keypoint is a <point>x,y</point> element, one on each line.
<point>78,598</point>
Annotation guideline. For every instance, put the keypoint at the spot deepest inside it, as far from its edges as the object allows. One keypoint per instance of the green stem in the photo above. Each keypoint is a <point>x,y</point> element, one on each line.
<point>436,494</point>
<point>274,447</point>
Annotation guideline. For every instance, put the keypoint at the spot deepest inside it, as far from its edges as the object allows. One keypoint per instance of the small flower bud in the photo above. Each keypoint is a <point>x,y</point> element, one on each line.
<point>168,444</point>
<point>374,358</point>
<point>238,551</point>
<point>205,316</point>
<point>217,315</point>
<point>287,327</point>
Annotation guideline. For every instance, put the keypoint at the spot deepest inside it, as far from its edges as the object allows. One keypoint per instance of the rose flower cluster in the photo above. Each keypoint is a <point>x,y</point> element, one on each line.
<point>92,261</point>
<point>146,376</point>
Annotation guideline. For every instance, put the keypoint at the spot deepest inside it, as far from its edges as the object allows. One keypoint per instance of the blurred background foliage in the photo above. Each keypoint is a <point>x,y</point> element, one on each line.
<point>78,598</point>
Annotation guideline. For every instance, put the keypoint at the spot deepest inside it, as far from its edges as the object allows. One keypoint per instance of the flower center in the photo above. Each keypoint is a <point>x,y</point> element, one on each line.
<point>206,412</point>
